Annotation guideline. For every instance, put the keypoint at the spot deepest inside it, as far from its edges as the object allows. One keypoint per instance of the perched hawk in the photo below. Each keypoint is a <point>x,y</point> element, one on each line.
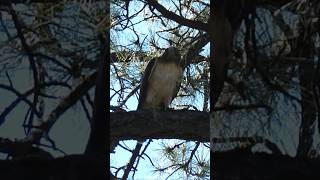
<point>159,86</point>
<point>161,81</point>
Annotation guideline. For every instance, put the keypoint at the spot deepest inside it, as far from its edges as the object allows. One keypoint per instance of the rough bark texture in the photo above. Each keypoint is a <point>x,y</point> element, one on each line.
<point>191,125</point>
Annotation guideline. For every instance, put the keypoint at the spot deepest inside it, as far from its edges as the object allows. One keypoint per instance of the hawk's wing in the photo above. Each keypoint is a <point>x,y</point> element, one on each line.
<point>177,88</point>
<point>144,82</point>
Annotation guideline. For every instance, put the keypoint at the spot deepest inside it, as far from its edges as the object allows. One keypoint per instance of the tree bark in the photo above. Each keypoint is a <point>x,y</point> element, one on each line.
<point>308,110</point>
<point>190,125</point>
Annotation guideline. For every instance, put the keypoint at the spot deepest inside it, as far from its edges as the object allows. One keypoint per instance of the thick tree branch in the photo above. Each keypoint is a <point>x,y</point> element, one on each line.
<point>192,54</point>
<point>71,99</point>
<point>189,125</point>
<point>21,149</point>
<point>180,20</point>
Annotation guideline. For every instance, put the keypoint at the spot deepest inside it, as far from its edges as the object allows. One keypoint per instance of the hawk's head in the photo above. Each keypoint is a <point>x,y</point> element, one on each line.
<point>171,54</point>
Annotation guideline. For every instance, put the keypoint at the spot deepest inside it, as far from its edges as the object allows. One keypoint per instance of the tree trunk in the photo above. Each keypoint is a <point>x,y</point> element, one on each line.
<point>308,107</point>
<point>308,110</point>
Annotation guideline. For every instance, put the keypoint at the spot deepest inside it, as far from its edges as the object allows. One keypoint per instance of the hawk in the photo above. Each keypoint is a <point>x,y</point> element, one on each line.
<point>159,86</point>
<point>161,81</point>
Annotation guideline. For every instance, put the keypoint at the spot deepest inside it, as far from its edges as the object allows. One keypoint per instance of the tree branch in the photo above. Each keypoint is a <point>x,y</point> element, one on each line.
<point>180,20</point>
<point>63,106</point>
<point>189,125</point>
<point>31,59</point>
<point>99,119</point>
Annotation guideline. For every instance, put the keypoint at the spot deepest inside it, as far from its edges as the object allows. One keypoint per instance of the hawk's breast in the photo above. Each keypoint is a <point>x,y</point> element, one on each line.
<point>162,84</point>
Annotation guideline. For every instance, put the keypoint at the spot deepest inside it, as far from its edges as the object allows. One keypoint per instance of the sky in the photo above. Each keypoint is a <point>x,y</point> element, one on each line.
<point>71,131</point>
